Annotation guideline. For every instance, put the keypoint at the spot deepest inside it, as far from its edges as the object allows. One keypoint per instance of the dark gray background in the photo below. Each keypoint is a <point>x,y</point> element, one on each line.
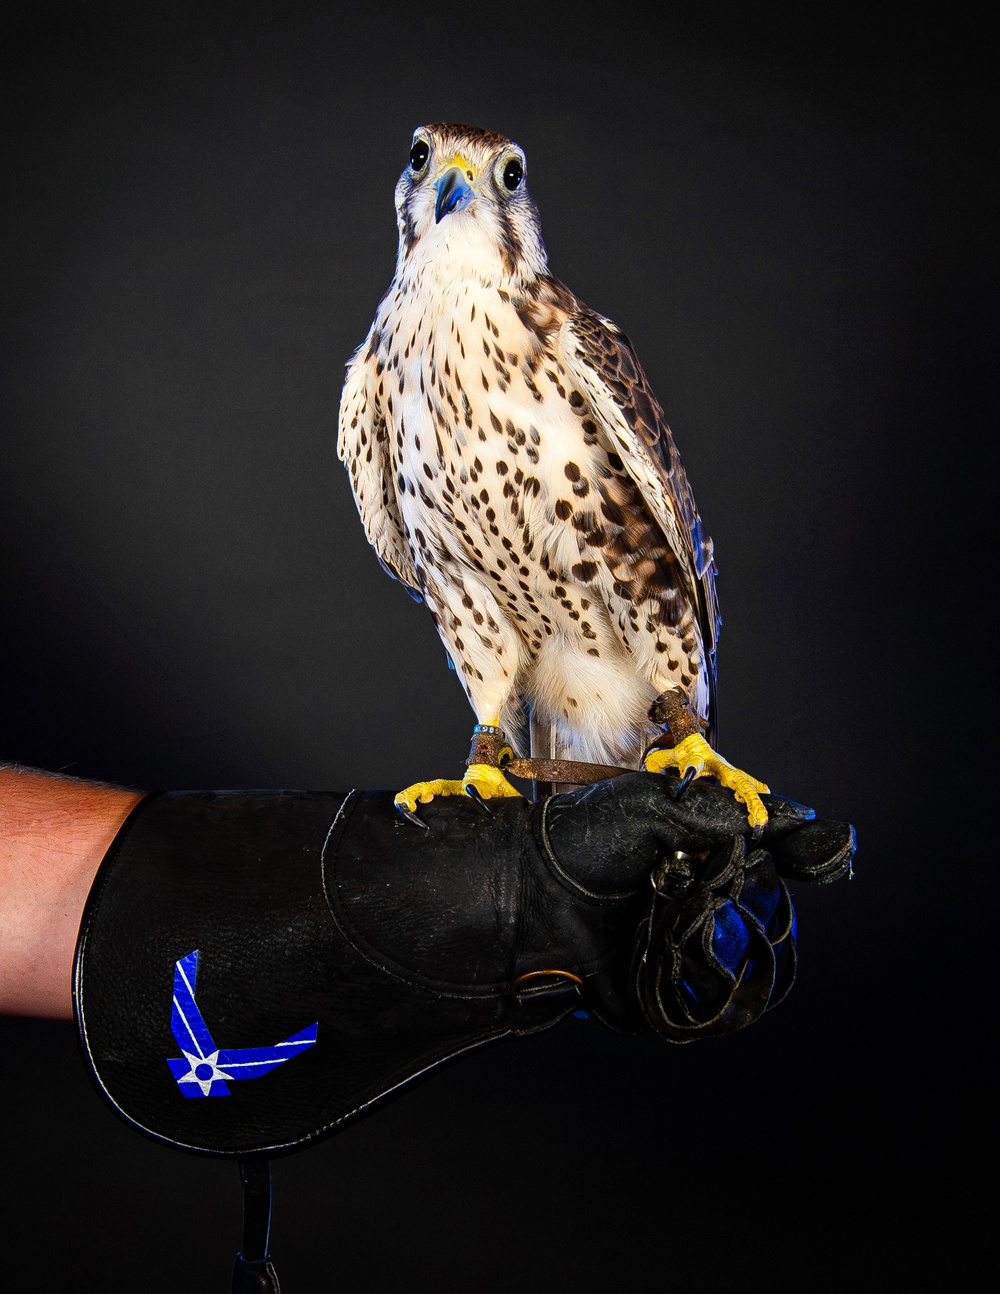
<point>791,214</point>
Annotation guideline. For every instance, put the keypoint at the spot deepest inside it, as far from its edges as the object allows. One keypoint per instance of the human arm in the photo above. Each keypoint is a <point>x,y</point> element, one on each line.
<point>54,832</point>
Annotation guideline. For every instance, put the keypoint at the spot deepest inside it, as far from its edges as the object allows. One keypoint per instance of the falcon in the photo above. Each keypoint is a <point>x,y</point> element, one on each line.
<point>514,470</point>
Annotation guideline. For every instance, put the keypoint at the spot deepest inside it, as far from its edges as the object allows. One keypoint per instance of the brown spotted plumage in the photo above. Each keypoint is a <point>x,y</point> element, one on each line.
<point>512,466</point>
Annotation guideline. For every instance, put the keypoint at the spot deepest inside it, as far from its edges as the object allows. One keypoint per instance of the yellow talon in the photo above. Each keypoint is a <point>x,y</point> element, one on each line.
<point>695,752</point>
<point>488,781</point>
<point>424,792</point>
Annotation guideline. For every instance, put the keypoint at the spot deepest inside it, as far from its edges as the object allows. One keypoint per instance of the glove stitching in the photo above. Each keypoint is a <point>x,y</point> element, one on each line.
<point>549,857</point>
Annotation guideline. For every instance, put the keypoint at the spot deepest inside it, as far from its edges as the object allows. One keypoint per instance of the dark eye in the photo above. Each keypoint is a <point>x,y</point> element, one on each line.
<point>513,173</point>
<point>419,154</point>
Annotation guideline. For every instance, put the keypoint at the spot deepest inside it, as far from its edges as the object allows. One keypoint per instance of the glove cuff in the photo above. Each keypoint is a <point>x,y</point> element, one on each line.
<point>221,1005</point>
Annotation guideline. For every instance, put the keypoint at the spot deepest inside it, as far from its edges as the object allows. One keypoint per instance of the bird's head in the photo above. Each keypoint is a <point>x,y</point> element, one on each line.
<point>462,205</point>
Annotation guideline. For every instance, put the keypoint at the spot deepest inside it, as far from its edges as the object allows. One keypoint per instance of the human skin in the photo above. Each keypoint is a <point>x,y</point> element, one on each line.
<point>54,832</point>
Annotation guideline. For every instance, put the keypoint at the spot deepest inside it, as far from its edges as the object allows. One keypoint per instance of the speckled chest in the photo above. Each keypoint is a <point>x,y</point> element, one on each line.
<point>484,430</point>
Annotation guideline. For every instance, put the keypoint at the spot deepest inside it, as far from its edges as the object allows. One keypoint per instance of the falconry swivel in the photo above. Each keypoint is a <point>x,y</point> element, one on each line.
<point>512,466</point>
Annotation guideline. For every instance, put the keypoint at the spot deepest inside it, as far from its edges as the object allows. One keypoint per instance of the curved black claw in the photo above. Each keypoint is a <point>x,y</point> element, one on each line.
<point>474,793</point>
<point>684,783</point>
<point>410,816</point>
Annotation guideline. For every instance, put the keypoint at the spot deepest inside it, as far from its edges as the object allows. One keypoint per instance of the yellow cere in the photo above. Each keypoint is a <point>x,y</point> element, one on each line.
<point>462,163</point>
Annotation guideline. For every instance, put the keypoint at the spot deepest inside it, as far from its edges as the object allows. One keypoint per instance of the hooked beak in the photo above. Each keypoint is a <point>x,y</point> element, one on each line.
<point>453,193</point>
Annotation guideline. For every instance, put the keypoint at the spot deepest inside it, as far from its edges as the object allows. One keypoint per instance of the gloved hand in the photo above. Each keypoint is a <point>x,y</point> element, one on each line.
<point>613,832</point>
<point>255,968</point>
<point>717,945</point>
<point>333,951</point>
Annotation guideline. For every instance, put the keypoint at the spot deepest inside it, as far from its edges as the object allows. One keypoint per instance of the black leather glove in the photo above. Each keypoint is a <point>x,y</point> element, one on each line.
<point>255,968</point>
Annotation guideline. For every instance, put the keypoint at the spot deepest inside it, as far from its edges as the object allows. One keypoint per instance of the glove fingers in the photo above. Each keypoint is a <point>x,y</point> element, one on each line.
<point>819,852</point>
<point>705,807</point>
<point>608,834</point>
<point>702,811</point>
<point>784,815</point>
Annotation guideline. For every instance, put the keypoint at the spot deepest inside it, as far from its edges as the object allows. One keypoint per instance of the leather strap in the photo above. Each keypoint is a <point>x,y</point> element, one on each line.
<point>562,770</point>
<point>253,1271</point>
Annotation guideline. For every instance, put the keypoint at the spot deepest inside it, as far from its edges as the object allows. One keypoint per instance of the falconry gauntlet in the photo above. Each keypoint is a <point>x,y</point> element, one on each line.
<point>256,968</point>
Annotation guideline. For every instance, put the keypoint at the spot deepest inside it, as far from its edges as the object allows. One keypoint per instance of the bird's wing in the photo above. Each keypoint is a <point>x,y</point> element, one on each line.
<point>601,360</point>
<point>363,446</point>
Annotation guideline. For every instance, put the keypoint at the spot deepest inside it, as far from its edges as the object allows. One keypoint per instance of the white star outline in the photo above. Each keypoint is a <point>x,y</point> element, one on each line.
<point>217,1076</point>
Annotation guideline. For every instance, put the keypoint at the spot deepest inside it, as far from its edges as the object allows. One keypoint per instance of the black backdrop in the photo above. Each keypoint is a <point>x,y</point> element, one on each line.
<point>790,214</point>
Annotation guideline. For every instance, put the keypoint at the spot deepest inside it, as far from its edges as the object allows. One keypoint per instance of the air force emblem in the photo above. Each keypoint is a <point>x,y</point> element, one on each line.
<point>204,1069</point>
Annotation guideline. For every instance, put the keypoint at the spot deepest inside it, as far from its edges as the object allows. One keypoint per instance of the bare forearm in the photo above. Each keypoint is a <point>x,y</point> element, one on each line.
<point>54,831</point>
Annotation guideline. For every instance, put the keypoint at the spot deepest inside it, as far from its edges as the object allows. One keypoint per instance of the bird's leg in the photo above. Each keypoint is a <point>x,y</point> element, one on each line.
<point>691,754</point>
<point>488,753</point>
<point>483,778</point>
